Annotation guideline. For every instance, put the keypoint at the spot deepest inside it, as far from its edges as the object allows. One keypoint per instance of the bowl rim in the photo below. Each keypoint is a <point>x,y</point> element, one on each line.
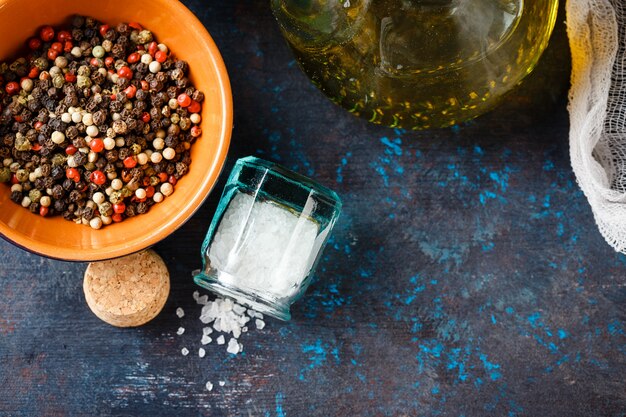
<point>170,224</point>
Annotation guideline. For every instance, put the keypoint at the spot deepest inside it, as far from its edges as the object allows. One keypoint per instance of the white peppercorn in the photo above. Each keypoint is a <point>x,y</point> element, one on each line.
<point>167,189</point>
<point>57,137</point>
<point>169,153</point>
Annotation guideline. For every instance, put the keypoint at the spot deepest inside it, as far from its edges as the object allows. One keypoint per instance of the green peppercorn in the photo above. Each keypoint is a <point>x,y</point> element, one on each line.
<point>58,81</point>
<point>21,143</point>
<point>105,209</point>
<point>116,197</point>
<point>41,63</point>
<point>34,195</point>
<point>126,192</point>
<point>135,148</point>
<point>21,175</point>
<point>154,180</point>
<point>84,71</point>
<point>5,174</point>
<point>58,159</point>
<point>83,81</point>
<point>144,36</point>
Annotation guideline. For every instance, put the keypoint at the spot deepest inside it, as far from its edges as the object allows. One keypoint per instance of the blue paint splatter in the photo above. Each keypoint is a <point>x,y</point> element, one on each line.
<point>279,405</point>
<point>344,162</point>
<point>393,147</point>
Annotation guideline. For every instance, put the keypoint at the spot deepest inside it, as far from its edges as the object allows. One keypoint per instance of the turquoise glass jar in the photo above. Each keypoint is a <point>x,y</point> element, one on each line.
<point>266,237</point>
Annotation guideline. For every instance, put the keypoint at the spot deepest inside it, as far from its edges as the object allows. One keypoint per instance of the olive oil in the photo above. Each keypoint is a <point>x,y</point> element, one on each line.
<point>416,64</point>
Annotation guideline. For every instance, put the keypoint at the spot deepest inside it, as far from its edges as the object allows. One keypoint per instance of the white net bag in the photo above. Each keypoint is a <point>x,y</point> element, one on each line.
<point>597,107</point>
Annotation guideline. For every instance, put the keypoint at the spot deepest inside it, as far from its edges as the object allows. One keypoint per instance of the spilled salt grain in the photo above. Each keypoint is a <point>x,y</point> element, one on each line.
<point>201,352</point>
<point>180,331</point>
<point>206,340</point>
<point>209,386</point>
<point>180,312</point>
<point>260,324</point>
<point>222,383</point>
<point>184,351</point>
<point>233,346</point>
<point>220,340</point>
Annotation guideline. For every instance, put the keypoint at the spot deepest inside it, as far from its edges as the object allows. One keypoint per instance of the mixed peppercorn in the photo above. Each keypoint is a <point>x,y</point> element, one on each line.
<point>96,122</point>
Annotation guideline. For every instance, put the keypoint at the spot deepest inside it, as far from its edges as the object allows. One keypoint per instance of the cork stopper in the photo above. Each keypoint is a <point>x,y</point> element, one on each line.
<point>128,291</point>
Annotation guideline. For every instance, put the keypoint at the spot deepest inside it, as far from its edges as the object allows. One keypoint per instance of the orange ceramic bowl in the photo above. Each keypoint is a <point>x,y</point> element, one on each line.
<point>174,25</point>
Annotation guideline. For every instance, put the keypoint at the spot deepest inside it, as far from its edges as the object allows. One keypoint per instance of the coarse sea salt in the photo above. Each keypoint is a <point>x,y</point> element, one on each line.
<point>180,312</point>
<point>263,247</point>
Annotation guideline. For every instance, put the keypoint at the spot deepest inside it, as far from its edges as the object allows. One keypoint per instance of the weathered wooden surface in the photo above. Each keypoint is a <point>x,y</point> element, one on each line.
<point>465,278</point>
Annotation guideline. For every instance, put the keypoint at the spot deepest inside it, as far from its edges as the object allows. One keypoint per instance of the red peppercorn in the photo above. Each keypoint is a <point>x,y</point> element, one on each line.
<point>95,62</point>
<point>64,35</point>
<point>71,150</point>
<point>72,174</point>
<point>103,30</point>
<point>133,58</point>
<point>183,100</point>
<point>67,46</point>
<point>46,34</point>
<point>52,54</point>
<point>33,73</point>
<point>14,179</point>
<point>109,61</point>
<point>130,162</point>
<point>152,48</point>
<point>12,88</point>
<point>43,211</point>
<point>160,56</point>
<point>34,43</point>
<point>70,78</point>
<point>149,191</point>
<point>98,177</point>
<point>57,46</point>
<point>18,119</point>
<point>194,107</point>
<point>125,72</point>
<point>196,131</point>
<point>145,86</point>
<point>135,25</point>
<point>172,180</point>
<point>38,125</point>
<point>162,176</point>
<point>145,117</point>
<point>130,91</point>
<point>119,208</point>
<point>116,217</point>
<point>36,147</point>
<point>96,145</point>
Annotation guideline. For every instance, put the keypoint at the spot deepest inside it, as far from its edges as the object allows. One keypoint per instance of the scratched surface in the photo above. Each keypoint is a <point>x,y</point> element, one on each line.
<point>465,277</point>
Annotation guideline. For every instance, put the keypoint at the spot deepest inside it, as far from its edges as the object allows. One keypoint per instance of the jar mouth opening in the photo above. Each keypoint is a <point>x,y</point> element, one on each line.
<point>326,194</point>
<point>273,308</point>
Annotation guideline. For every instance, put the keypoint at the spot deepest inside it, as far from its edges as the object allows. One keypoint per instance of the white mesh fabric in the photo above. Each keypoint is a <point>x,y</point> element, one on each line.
<point>597,107</point>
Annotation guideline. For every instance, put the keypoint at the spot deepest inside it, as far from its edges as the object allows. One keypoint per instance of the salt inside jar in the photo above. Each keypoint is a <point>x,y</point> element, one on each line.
<point>266,236</point>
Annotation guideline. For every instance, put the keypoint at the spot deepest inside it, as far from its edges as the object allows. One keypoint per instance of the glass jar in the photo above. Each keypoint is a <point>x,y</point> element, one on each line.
<point>416,64</point>
<point>266,237</point>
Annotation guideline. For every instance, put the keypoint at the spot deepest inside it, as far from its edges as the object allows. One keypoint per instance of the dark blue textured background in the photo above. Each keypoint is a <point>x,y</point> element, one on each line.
<point>466,276</point>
